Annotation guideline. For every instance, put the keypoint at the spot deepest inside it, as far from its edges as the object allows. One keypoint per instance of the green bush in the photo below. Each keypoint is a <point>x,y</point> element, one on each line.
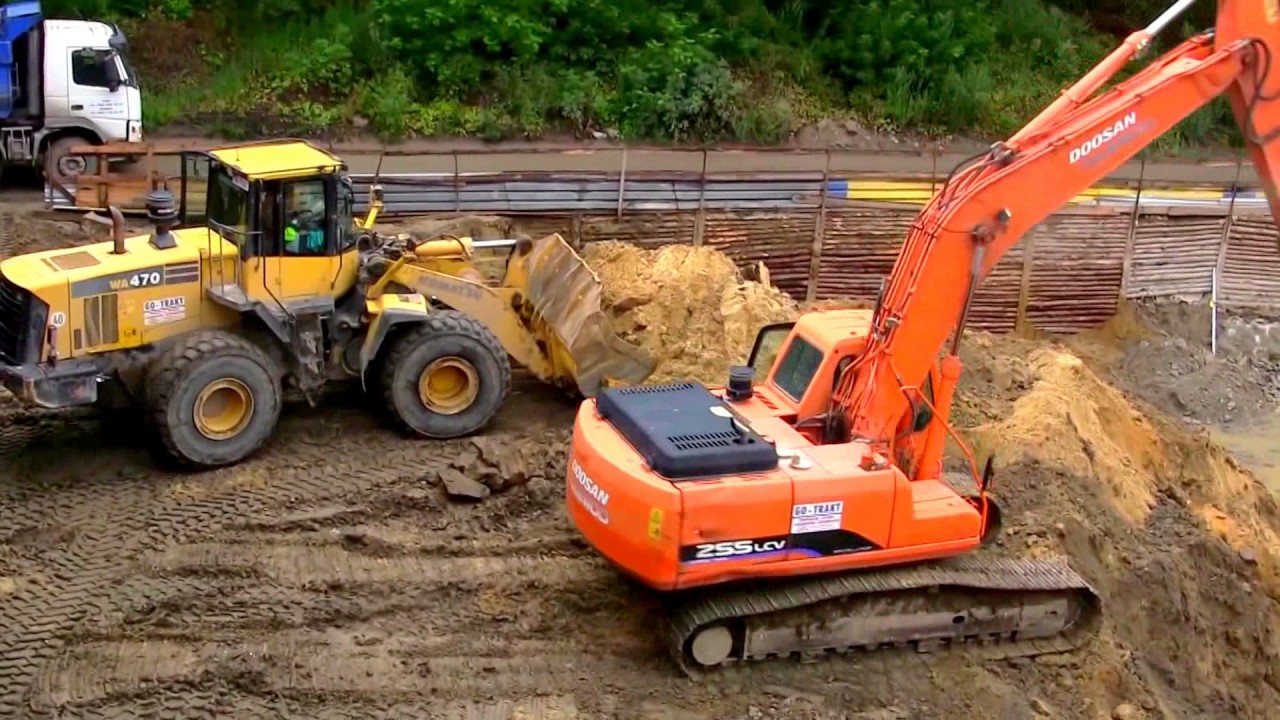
<point>679,70</point>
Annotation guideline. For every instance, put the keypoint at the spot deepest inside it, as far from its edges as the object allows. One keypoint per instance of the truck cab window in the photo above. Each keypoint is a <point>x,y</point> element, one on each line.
<point>89,67</point>
<point>304,218</point>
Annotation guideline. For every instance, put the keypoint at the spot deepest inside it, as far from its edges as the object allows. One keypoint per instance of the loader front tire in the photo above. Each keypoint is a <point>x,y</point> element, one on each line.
<point>446,377</point>
<point>213,399</point>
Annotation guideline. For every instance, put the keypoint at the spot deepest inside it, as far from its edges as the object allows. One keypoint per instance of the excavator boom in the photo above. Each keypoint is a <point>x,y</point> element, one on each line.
<point>985,208</point>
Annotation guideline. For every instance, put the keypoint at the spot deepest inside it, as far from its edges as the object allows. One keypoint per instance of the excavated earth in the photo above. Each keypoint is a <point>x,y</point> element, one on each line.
<point>345,572</point>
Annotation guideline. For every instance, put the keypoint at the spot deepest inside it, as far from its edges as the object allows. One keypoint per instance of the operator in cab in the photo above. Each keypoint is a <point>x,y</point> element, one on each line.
<point>304,213</point>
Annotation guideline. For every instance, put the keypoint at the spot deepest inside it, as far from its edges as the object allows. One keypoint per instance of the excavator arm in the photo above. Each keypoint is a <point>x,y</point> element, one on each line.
<point>987,206</point>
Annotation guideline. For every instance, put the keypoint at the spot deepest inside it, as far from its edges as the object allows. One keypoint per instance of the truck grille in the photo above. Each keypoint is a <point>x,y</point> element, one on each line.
<point>17,344</point>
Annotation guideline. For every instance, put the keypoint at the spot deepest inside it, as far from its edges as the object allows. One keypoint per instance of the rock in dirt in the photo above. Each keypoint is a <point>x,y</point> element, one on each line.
<point>688,306</point>
<point>1125,711</point>
<point>462,488</point>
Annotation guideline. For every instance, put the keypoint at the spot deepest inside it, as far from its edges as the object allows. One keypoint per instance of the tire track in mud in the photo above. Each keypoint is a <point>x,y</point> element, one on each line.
<point>293,555</point>
<point>319,622</point>
<point>107,521</point>
<point>488,628</point>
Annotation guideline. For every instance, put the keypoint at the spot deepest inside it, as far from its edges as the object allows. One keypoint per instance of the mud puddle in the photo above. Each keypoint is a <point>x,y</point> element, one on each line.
<point>1258,447</point>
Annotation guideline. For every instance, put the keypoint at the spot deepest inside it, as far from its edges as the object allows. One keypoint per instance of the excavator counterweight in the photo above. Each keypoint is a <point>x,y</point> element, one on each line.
<point>803,506</point>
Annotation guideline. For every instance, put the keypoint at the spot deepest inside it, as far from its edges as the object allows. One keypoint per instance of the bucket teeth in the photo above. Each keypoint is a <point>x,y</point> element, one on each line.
<point>565,294</point>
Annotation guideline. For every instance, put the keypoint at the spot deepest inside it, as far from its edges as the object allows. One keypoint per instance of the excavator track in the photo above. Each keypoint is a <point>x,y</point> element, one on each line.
<point>993,607</point>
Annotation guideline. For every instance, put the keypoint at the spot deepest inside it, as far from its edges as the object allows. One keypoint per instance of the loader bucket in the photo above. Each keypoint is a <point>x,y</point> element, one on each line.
<point>565,295</point>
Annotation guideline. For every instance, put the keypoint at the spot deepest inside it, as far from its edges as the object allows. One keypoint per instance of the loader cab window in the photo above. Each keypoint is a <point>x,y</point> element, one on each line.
<point>344,233</point>
<point>227,205</point>
<point>194,200</point>
<point>797,368</point>
<point>303,228</point>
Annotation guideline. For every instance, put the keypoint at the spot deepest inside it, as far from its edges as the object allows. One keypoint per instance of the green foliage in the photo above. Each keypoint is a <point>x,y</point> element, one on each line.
<point>677,70</point>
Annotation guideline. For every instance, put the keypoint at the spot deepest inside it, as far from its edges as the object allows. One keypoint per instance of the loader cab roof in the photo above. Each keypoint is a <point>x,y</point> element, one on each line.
<point>277,160</point>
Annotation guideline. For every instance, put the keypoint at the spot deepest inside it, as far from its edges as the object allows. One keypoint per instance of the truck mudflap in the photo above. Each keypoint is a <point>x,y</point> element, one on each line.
<point>993,607</point>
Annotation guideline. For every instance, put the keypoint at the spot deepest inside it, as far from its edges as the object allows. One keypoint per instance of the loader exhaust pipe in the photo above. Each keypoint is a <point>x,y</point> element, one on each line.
<point>117,230</point>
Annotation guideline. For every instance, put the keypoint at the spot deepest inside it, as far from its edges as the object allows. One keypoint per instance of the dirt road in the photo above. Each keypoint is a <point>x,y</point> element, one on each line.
<point>891,159</point>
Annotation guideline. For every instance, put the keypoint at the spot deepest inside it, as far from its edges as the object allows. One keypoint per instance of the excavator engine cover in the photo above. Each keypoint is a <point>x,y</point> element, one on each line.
<point>684,432</point>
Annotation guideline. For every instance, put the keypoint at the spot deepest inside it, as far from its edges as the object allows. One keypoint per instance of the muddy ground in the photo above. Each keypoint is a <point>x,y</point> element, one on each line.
<point>334,576</point>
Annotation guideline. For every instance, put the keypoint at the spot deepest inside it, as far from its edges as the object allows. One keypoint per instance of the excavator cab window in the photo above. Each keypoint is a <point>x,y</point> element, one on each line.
<point>765,350</point>
<point>922,413</point>
<point>797,368</point>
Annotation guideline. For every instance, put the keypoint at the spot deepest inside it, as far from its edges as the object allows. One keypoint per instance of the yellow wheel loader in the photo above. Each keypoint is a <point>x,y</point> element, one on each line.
<point>258,282</point>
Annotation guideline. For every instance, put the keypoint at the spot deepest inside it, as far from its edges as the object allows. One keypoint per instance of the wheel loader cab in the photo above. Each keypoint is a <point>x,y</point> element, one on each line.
<point>285,211</point>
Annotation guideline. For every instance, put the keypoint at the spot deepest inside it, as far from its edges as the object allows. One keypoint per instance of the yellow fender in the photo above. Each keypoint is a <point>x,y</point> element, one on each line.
<point>384,312</point>
<point>493,307</point>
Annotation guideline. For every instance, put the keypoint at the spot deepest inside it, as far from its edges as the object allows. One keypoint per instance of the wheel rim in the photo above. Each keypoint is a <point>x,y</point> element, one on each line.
<point>223,409</point>
<point>448,386</point>
<point>72,165</point>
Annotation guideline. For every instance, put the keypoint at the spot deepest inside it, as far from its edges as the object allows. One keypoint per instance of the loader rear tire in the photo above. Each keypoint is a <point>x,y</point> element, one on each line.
<point>446,377</point>
<point>213,399</point>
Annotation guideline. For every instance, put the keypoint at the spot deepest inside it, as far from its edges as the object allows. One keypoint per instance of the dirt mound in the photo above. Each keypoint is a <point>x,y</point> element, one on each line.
<point>688,306</point>
<point>1179,539</point>
<point>1162,353</point>
<point>20,233</point>
<point>477,227</point>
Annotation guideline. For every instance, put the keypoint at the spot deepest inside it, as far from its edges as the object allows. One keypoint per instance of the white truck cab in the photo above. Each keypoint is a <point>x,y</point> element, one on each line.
<point>62,83</point>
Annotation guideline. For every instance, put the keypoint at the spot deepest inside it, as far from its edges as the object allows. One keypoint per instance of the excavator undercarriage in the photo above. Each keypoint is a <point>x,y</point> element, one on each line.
<point>986,605</point>
<point>994,606</point>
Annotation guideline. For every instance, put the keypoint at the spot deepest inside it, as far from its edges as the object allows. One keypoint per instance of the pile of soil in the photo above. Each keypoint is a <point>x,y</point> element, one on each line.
<point>688,306</point>
<point>1180,540</point>
<point>21,232</point>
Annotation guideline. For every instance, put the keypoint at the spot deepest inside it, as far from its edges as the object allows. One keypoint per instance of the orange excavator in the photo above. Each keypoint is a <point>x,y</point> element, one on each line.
<point>809,512</point>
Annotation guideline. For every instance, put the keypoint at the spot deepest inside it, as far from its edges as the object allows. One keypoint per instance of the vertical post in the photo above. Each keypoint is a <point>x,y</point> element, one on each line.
<point>934,152</point>
<point>1131,239</point>
<point>1226,232</point>
<point>457,191</point>
<point>819,233</point>
<point>1024,290</point>
<point>622,181</point>
<point>700,219</point>
<point>1213,312</point>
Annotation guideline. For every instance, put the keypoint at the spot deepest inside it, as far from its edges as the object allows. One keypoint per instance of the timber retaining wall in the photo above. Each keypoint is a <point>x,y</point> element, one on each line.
<point>1067,274</point>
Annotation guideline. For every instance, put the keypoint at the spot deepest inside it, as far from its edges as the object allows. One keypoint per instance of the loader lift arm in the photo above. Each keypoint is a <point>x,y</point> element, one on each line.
<point>986,207</point>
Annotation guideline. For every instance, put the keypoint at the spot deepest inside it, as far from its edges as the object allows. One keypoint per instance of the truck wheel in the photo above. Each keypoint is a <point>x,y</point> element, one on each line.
<point>61,164</point>
<point>213,399</point>
<point>445,378</point>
